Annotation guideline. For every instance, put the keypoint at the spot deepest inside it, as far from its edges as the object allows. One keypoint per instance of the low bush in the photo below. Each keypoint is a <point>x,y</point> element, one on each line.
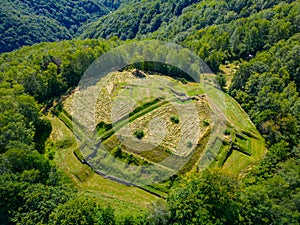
<point>139,134</point>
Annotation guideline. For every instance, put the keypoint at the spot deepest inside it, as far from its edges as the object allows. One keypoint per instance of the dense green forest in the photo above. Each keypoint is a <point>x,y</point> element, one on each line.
<point>261,39</point>
<point>25,22</point>
<point>169,19</point>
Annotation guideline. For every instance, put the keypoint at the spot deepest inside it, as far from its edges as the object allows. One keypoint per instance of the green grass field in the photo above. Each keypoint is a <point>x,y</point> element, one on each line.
<point>156,99</point>
<point>124,199</point>
<point>251,142</point>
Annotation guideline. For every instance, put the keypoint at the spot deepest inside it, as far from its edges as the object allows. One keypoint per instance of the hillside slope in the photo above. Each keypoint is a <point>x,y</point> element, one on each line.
<point>24,22</point>
<point>253,46</point>
<point>180,148</point>
<point>170,19</point>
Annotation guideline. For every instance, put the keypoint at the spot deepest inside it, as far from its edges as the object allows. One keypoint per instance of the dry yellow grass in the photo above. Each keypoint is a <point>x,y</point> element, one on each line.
<point>122,92</point>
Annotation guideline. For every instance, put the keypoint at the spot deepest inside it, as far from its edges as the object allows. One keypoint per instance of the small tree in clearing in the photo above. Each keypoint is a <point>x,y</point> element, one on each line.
<point>174,119</point>
<point>139,134</point>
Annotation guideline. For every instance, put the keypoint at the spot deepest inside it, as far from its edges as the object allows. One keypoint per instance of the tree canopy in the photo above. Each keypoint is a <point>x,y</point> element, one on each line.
<point>25,22</point>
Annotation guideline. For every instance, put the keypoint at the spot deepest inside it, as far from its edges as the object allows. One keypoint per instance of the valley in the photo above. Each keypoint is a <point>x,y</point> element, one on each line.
<point>134,112</point>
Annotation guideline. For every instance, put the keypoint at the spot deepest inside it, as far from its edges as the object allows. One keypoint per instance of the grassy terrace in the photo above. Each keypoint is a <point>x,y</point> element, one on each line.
<point>138,112</point>
<point>247,145</point>
<point>124,199</point>
<point>127,156</point>
<point>241,145</point>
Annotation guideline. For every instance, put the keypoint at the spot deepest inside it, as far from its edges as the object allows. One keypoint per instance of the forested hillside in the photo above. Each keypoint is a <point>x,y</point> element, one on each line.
<point>31,187</point>
<point>171,19</point>
<point>24,22</point>
<point>135,18</point>
<point>256,43</point>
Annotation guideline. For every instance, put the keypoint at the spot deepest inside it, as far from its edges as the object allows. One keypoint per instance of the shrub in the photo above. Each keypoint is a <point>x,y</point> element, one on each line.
<point>206,123</point>
<point>139,134</point>
<point>189,144</point>
<point>117,152</point>
<point>227,131</point>
<point>174,119</point>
